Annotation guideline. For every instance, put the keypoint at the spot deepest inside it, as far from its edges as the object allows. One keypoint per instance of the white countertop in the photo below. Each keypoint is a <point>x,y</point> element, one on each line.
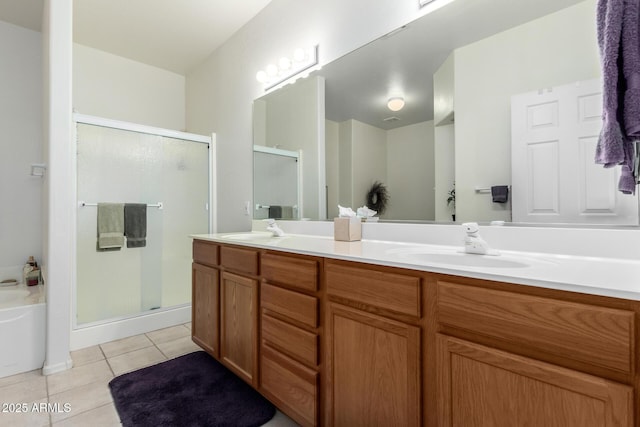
<point>619,278</point>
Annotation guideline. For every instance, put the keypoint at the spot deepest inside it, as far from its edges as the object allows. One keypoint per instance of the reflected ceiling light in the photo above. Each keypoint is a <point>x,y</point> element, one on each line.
<point>302,60</point>
<point>395,104</point>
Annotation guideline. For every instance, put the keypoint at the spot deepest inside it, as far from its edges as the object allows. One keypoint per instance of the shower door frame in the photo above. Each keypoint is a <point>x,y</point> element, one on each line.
<point>284,153</point>
<point>162,317</point>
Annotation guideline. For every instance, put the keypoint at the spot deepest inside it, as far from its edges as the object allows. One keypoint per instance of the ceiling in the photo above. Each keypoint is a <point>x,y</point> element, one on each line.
<point>402,63</point>
<point>175,35</point>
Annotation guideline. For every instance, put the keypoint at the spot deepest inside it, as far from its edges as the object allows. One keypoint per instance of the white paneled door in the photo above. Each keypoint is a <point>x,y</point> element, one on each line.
<point>554,132</point>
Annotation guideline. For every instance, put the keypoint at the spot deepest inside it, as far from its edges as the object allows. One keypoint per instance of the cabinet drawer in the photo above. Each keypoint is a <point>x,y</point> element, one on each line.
<point>296,272</point>
<point>390,291</point>
<point>296,342</point>
<point>293,387</point>
<point>293,305</point>
<point>596,335</point>
<point>238,259</point>
<point>205,253</point>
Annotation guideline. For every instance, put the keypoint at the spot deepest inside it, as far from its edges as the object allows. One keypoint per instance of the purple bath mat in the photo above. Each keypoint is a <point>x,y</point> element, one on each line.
<point>190,390</point>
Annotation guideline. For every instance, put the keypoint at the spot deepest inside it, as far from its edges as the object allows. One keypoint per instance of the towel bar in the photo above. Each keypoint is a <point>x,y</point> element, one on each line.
<point>158,205</point>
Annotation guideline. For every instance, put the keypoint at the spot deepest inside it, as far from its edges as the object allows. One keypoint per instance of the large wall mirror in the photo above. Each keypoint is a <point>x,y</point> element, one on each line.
<point>497,94</point>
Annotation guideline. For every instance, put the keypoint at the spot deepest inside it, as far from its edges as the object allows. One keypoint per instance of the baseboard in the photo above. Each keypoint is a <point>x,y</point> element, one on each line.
<point>58,367</point>
<point>99,334</point>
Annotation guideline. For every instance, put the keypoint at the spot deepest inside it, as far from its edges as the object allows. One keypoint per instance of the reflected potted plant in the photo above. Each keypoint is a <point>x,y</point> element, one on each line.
<point>451,201</point>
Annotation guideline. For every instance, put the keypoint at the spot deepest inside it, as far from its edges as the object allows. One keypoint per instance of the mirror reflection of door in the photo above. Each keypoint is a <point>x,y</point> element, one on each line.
<point>276,186</point>
<point>555,180</point>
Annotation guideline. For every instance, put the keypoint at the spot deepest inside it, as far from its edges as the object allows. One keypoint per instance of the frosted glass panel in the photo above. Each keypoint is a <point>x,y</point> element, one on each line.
<point>128,167</point>
<point>275,183</point>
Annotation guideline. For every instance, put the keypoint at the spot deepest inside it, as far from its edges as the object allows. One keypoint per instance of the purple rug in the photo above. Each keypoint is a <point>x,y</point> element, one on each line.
<point>190,390</point>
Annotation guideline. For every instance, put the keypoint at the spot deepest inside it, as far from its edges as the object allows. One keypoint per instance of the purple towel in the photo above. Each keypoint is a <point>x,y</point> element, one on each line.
<point>618,22</point>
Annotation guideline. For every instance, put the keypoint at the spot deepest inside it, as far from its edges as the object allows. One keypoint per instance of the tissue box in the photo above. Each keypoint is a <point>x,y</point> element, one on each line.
<point>347,229</point>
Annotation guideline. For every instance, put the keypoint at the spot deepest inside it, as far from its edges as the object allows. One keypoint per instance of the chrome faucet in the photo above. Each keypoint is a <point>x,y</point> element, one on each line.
<point>473,243</point>
<point>273,228</point>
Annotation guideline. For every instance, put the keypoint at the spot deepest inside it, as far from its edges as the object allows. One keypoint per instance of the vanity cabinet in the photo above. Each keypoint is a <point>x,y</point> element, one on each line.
<point>373,353</point>
<point>507,356</point>
<point>483,386</point>
<point>239,311</point>
<point>290,334</point>
<point>205,290</point>
<point>344,343</point>
<point>205,324</point>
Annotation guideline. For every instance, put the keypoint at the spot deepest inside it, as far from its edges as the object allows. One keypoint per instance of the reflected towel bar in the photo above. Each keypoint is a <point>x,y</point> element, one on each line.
<point>485,190</point>
<point>158,205</point>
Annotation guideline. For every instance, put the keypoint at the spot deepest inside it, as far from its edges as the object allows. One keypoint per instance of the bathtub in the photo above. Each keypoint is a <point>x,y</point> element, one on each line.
<point>22,328</point>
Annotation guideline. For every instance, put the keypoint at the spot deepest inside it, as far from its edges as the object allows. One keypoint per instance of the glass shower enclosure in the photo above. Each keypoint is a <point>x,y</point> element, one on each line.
<point>171,174</point>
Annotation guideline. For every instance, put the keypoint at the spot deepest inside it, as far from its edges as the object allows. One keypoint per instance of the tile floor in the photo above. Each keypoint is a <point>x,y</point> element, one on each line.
<point>84,389</point>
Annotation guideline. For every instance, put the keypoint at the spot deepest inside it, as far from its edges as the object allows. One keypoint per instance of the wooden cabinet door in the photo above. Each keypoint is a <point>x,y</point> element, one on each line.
<point>373,370</point>
<point>239,325</point>
<point>205,308</point>
<point>482,386</point>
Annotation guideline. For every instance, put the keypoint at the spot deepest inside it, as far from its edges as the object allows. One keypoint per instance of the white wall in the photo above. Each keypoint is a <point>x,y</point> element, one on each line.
<point>444,155</point>
<point>368,161</point>
<point>411,172</point>
<point>59,204</point>
<point>345,163</point>
<point>21,143</point>
<point>332,171</point>
<point>488,72</point>
<point>110,86</point>
<point>221,90</point>
<point>294,116</point>
<point>402,159</point>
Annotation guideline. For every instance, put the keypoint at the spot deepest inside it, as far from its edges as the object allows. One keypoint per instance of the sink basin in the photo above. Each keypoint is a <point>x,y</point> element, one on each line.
<point>426,255</point>
<point>469,260</point>
<point>248,237</point>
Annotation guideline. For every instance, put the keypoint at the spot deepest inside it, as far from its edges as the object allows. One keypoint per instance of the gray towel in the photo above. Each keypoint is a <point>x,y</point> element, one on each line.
<point>110,225</point>
<point>275,211</point>
<point>500,193</point>
<point>135,224</point>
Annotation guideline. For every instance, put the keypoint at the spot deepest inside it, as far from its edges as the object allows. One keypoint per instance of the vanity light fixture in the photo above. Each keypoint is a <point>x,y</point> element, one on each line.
<point>395,103</point>
<point>435,5</point>
<point>302,60</point>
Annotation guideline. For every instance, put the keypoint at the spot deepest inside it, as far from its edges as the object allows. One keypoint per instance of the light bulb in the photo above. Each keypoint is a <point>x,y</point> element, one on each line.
<point>284,63</point>
<point>261,76</point>
<point>272,70</point>
<point>299,54</point>
<point>395,104</point>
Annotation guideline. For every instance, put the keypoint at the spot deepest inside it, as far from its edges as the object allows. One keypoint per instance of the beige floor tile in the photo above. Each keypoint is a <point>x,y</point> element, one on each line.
<point>81,399</point>
<point>188,325</point>
<point>178,347</point>
<point>35,415</point>
<point>168,334</point>
<point>104,416</point>
<point>79,376</point>
<point>135,360</point>
<point>25,376</point>
<point>87,355</point>
<point>280,420</point>
<point>27,391</point>
<point>125,345</point>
